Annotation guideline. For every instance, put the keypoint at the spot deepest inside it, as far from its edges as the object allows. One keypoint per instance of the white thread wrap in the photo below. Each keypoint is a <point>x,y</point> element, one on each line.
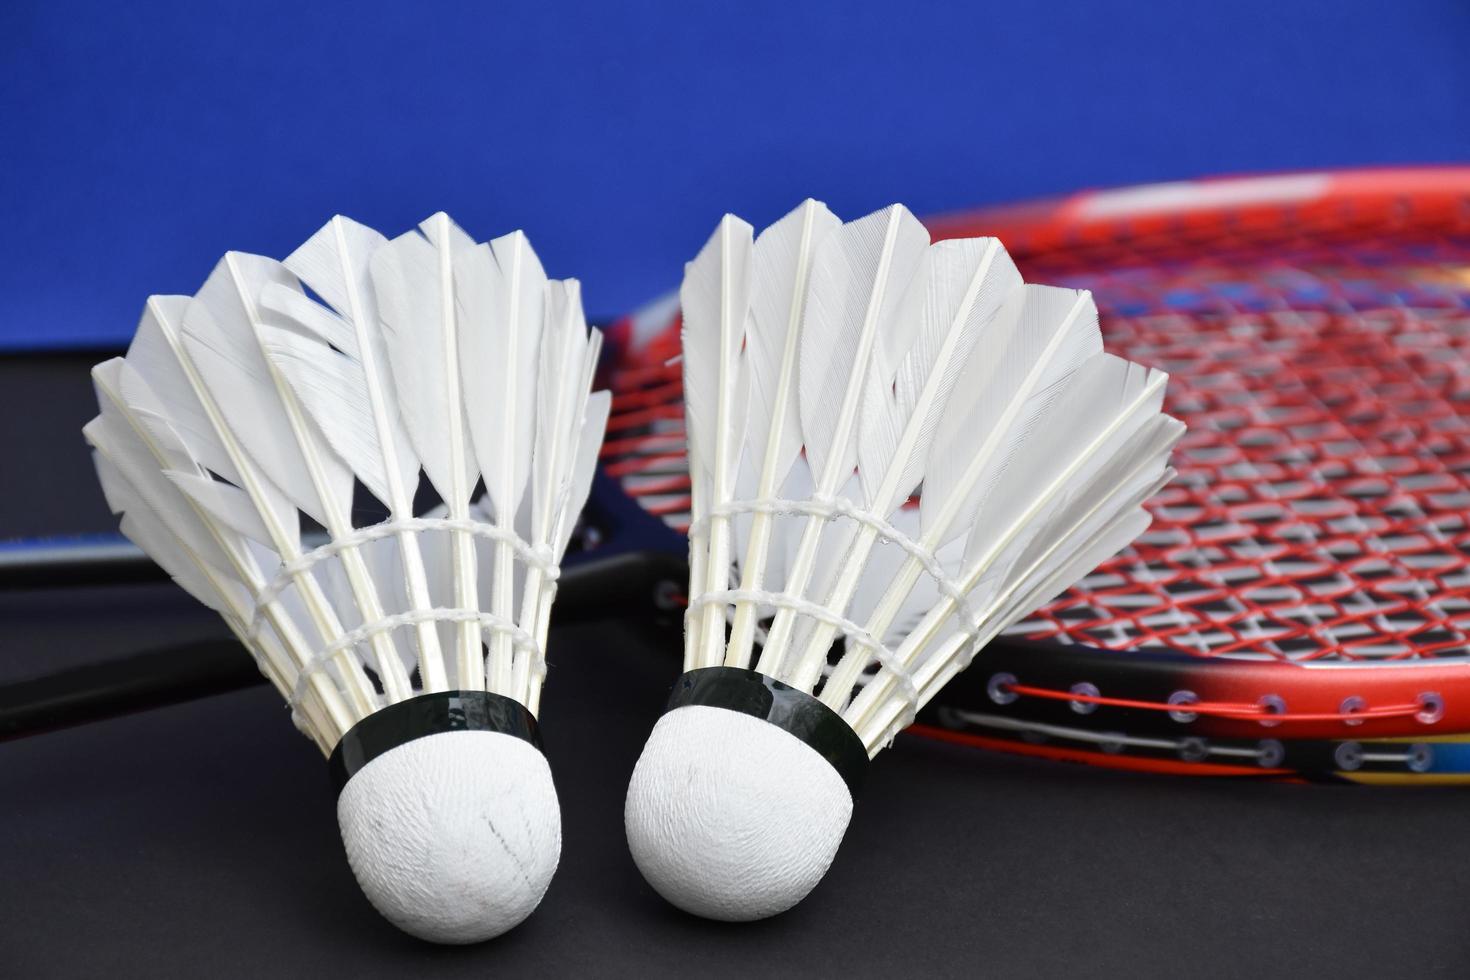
<point>539,557</point>
<point>830,509</point>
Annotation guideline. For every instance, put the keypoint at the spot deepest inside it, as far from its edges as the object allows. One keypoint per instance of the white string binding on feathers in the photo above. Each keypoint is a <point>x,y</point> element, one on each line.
<point>854,633</point>
<point>830,509</point>
<point>539,557</point>
<point>487,622</point>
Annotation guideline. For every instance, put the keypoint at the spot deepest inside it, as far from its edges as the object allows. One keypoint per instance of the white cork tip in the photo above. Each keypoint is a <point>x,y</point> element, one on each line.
<point>453,837</point>
<point>730,817</point>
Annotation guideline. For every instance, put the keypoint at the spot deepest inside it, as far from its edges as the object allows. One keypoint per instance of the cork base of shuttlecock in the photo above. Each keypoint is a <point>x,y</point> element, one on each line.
<point>730,817</point>
<point>454,837</point>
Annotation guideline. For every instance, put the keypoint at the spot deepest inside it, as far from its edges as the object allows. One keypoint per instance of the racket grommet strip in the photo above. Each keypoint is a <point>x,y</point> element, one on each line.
<point>1184,697</point>
<point>1350,706</point>
<point>1431,708</point>
<point>1270,753</point>
<point>1194,749</point>
<point>1000,687</point>
<point>1271,704</point>
<point>1348,756</point>
<point>1420,758</point>
<point>1086,690</point>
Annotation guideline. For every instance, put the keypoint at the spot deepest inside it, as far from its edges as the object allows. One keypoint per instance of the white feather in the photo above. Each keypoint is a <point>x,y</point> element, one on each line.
<point>996,408</point>
<point>336,362</point>
<point>415,282</point>
<point>715,298</point>
<point>965,284</point>
<point>224,335</point>
<point>782,261</point>
<point>953,300</point>
<point>134,461</point>
<point>414,285</point>
<point>854,328</point>
<point>157,378</point>
<point>1123,444</point>
<point>1090,428</point>
<point>1131,472</point>
<point>781,269</point>
<point>857,325</point>
<point>716,304</point>
<point>501,290</point>
<point>560,392</point>
<point>143,525</point>
<point>584,467</point>
<point>221,338</point>
<point>140,458</point>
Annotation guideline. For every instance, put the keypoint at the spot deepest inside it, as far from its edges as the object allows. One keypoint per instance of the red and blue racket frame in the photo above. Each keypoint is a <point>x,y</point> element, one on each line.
<point>1300,608</point>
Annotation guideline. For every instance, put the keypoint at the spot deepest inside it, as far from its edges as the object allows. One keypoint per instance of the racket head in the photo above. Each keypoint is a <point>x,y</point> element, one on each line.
<point>1306,581</point>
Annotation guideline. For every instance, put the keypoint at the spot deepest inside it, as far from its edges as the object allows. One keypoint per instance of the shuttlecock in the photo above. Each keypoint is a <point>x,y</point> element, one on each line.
<point>831,371</point>
<point>409,644</point>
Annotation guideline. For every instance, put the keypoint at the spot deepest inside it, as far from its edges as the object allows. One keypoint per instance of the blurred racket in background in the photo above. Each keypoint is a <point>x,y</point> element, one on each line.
<point>1301,605</point>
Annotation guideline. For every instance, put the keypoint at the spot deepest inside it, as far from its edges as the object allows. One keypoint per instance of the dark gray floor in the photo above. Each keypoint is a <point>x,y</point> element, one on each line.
<point>200,839</point>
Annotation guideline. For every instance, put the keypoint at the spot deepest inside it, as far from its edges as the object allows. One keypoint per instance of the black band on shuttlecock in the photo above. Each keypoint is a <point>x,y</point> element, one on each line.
<point>428,714</point>
<point>753,693</point>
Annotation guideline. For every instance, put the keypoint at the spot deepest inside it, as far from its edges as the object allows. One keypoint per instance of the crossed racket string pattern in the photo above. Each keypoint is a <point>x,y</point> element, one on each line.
<point>1321,356</point>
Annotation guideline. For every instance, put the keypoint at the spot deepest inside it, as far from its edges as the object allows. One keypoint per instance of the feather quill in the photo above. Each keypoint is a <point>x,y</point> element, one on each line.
<point>1112,429</point>
<point>716,301</point>
<point>414,282</point>
<point>223,335</point>
<point>780,272</point>
<point>1054,333</point>
<point>957,296</point>
<point>858,294</point>
<point>336,361</point>
<point>139,457</point>
<point>154,533</point>
<point>501,292</point>
<point>164,374</point>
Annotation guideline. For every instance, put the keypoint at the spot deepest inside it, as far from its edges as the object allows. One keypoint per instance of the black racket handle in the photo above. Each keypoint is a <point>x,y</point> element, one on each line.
<point>630,583</point>
<point>67,563</point>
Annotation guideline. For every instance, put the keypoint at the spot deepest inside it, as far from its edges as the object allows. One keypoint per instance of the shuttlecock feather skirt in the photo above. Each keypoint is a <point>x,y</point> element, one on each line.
<point>897,449</point>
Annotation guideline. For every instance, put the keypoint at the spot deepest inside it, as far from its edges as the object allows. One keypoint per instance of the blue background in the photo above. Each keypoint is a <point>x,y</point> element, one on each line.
<point>139,141</point>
